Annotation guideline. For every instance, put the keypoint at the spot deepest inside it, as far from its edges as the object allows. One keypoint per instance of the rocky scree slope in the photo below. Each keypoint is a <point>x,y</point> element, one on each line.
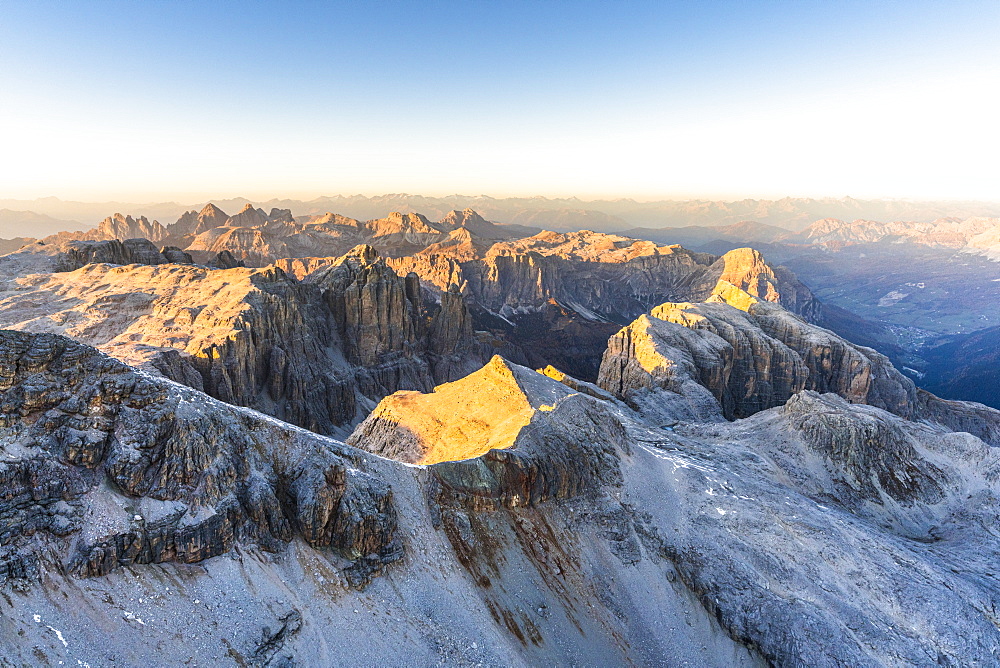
<point>121,490</point>
<point>818,532</point>
<point>121,468</point>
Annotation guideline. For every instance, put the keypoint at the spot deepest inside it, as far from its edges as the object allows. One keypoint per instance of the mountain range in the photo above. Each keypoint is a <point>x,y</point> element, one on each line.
<point>236,437</point>
<point>561,214</point>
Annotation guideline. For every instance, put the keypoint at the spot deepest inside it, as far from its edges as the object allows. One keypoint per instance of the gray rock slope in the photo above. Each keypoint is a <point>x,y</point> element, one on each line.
<point>146,523</point>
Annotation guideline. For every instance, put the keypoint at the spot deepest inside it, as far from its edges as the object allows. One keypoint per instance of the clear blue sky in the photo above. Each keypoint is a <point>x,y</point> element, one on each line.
<point>595,99</point>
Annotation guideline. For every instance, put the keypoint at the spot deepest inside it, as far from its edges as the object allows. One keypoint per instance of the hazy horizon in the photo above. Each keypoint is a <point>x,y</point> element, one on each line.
<point>708,101</point>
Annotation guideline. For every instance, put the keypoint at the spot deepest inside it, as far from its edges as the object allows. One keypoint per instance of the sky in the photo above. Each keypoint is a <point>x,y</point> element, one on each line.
<point>160,100</point>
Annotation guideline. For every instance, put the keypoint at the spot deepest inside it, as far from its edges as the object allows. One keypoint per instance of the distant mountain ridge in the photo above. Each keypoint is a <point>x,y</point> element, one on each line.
<point>30,224</point>
<point>553,213</point>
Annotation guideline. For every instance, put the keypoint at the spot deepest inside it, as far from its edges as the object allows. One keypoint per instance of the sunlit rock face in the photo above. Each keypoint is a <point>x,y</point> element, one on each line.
<point>560,296</point>
<point>192,222</point>
<point>126,227</point>
<point>713,360</point>
<point>460,420</point>
<point>317,353</point>
<point>609,277</point>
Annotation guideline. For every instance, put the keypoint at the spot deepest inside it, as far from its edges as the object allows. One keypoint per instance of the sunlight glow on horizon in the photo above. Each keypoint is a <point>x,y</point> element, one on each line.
<point>789,119</point>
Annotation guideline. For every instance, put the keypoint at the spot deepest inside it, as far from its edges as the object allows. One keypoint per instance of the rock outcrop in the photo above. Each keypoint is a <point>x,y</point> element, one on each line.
<point>697,361</point>
<point>579,539</point>
<point>192,222</point>
<point>503,436</point>
<point>129,251</point>
<point>128,469</point>
<point>126,227</point>
<point>318,353</point>
<point>464,419</point>
<point>749,360</point>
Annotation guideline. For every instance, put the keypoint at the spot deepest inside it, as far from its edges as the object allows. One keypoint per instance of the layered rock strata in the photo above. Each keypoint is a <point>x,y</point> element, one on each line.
<point>318,353</point>
<point>696,361</point>
<point>580,542</point>
<point>122,227</point>
<point>140,471</point>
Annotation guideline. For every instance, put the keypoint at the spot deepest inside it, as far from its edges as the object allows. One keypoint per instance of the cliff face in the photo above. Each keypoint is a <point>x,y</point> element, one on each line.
<point>608,277</point>
<point>749,360</point>
<point>88,487</point>
<point>558,297</point>
<point>316,353</point>
<point>668,362</point>
<point>190,478</point>
<point>126,227</point>
<point>579,539</point>
<point>129,251</point>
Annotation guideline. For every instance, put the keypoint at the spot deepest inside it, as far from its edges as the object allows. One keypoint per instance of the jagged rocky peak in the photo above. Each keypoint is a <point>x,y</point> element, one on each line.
<point>248,216</point>
<point>750,358</point>
<point>335,220</point>
<point>377,311</point>
<point>401,223</point>
<point>208,478</point>
<point>192,222</point>
<point>748,271</point>
<point>252,245</point>
<point>210,212</point>
<point>470,220</point>
<point>461,244</point>
<point>123,227</point>
<point>360,256</point>
<point>485,410</point>
<point>280,216</point>
<point>871,455</point>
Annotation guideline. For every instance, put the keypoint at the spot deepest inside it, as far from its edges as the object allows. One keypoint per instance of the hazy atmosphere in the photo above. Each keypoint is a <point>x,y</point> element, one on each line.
<point>499,334</point>
<point>189,100</point>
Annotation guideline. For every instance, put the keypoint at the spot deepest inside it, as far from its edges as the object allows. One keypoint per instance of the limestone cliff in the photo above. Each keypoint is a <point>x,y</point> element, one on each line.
<point>126,227</point>
<point>317,353</point>
<point>122,469</point>
<point>196,222</point>
<point>757,357</point>
<point>578,541</point>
